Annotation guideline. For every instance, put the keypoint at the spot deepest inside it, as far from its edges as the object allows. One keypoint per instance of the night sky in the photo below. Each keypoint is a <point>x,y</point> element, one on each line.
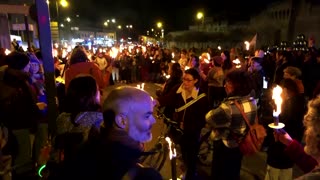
<point>176,15</point>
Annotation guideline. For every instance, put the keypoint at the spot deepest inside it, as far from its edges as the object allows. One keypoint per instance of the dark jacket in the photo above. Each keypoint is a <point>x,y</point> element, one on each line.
<point>18,107</point>
<point>109,157</point>
<point>193,117</point>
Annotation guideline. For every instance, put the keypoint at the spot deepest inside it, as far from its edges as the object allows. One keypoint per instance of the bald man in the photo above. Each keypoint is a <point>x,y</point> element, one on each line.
<point>128,119</point>
<point>130,110</point>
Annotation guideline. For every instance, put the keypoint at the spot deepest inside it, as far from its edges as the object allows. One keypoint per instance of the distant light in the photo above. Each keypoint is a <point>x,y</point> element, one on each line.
<point>64,3</point>
<point>61,25</point>
<point>68,19</point>
<point>113,20</point>
<point>105,23</point>
<point>119,27</point>
<point>219,47</point>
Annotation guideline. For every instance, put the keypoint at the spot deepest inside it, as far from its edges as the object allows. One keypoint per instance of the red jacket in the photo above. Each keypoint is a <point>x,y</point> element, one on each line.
<point>84,68</point>
<point>304,161</point>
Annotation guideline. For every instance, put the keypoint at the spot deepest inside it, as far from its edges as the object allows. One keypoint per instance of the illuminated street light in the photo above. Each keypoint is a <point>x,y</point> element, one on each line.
<point>152,29</point>
<point>159,25</point>
<point>119,27</point>
<point>113,20</point>
<point>64,3</point>
<point>68,19</point>
<point>61,25</point>
<point>200,15</point>
<point>105,23</point>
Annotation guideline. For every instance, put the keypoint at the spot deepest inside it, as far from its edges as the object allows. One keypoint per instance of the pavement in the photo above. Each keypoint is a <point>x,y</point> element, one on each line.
<point>253,167</point>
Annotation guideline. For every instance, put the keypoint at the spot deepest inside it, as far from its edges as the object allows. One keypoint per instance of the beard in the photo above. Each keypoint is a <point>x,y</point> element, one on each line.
<point>141,135</point>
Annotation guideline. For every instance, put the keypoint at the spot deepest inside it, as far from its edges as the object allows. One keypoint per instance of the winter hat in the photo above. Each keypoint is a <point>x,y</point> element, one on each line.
<point>17,60</point>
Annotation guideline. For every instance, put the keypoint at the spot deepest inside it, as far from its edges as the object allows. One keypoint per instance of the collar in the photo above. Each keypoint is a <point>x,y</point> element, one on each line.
<point>194,93</point>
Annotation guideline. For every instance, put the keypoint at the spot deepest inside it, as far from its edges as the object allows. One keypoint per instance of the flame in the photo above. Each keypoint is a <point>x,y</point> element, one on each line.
<point>144,49</point>
<point>172,150</point>
<point>7,51</point>
<point>236,61</point>
<point>208,56</point>
<point>55,53</point>
<point>140,86</point>
<point>114,52</point>
<point>247,45</point>
<point>276,96</point>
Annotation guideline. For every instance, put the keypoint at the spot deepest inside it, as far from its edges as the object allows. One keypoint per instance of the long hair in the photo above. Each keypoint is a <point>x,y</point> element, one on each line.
<point>78,55</point>
<point>81,96</point>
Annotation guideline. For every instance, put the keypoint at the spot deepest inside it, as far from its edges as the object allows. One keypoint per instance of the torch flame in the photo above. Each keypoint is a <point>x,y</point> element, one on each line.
<point>140,86</point>
<point>7,52</point>
<point>276,96</point>
<point>172,150</point>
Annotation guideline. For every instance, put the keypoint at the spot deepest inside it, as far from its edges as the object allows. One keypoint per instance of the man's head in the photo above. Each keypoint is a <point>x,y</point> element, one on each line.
<point>18,61</point>
<point>130,109</point>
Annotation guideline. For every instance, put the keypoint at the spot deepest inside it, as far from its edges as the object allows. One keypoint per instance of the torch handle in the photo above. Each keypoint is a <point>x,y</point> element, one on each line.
<point>276,121</point>
<point>173,168</point>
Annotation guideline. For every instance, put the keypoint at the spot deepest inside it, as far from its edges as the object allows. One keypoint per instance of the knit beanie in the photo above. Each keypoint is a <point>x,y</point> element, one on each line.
<point>17,60</point>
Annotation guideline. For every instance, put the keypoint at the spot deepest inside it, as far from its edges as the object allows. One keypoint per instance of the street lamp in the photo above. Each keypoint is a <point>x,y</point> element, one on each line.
<point>64,3</point>
<point>113,20</point>
<point>119,27</point>
<point>105,23</point>
<point>200,16</point>
<point>159,25</point>
<point>68,19</point>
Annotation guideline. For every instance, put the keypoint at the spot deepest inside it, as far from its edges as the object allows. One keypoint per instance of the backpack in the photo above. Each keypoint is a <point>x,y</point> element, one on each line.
<point>253,140</point>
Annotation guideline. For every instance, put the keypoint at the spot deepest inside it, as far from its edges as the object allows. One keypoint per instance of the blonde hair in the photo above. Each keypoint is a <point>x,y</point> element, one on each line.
<point>312,125</point>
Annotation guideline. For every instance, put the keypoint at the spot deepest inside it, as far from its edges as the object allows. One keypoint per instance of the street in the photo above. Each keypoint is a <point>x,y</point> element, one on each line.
<point>253,167</point>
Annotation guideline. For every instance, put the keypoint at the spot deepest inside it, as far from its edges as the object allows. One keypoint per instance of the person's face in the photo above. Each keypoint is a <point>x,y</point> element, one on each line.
<point>228,87</point>
<point>189,82</point>
<point>141,121</point>
<point>255,65</point>
<point>34,68</point>
<point>288,76</point>
<point>223,56</point>
<point>193,62</point>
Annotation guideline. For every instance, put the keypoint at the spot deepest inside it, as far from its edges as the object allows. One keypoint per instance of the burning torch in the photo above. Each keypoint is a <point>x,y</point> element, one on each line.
<point>276,96</point>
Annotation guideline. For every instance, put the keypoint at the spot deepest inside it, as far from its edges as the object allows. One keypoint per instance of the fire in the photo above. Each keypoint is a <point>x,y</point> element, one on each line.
<point>7,51</point>
<point>140,86</point>
<point>114,52</point>
<point>276,96</point>
<point>172,150</point>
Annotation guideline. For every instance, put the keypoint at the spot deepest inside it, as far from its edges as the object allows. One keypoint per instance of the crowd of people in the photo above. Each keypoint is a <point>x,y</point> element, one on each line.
<point>99,139</point>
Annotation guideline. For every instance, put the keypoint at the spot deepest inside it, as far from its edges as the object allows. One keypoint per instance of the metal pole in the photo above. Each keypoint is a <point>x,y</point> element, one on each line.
<point>58,20</point>
<point>46,51</point>
<point>26,22</point>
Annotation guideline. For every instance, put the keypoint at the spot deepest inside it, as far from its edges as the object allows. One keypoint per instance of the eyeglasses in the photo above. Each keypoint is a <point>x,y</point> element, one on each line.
<point>188,80</point>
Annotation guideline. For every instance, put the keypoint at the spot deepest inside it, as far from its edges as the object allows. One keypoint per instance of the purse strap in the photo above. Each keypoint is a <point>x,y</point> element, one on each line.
<point>190,103</point>
<point>244,115</point>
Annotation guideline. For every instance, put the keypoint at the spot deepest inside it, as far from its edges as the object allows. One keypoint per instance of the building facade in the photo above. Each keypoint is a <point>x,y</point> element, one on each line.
<point>281,21</point>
